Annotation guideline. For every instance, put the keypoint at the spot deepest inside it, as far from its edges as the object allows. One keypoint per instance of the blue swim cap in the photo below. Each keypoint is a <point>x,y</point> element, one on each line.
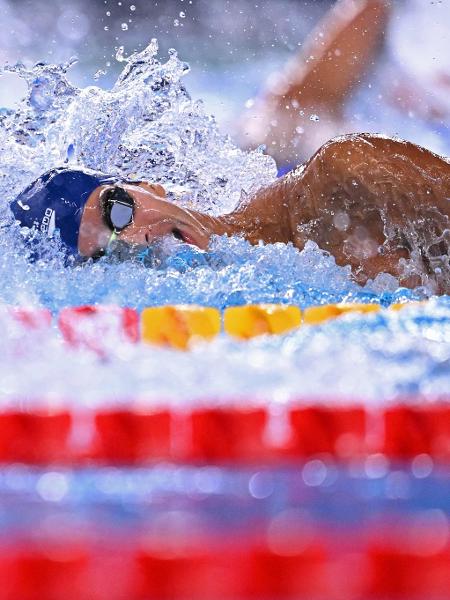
<point>56,201</point>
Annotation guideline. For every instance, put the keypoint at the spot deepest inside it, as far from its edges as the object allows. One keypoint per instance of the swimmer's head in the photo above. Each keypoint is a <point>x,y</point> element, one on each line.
<point>56,200</point>
<point>90,210</point>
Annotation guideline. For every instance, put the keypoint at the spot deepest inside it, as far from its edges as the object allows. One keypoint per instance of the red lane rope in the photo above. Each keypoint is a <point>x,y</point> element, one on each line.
<point>293,561</point>
<point>225,435</point>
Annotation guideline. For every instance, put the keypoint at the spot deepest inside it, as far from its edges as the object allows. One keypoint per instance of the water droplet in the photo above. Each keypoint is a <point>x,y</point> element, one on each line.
<point>314,118</point>
<point>132,7</point>
<point>176,22</point>
<point>108,13</point>
<point>341,221</point>
<point>119,54</point>
<point>124,27</point>
<point>182,14</point>
<point>106,28</point>
<point>98,74</point>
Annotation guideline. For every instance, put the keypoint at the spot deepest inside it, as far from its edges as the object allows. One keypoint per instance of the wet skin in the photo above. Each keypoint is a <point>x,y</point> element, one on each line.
<point>372,202</point>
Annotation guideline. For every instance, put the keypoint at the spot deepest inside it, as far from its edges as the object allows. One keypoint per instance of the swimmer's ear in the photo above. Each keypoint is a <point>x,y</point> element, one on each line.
<point>335,55</point>
<point>154,188</point>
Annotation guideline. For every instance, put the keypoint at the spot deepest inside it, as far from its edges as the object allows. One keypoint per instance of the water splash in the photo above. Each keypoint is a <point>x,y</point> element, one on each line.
<point>146,127</point>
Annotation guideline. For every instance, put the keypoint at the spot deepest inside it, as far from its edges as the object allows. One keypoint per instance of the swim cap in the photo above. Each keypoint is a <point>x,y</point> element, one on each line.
<point>56,201</point>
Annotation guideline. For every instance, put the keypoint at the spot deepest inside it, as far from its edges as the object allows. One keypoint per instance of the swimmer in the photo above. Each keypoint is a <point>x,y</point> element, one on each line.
<point>375,203</point>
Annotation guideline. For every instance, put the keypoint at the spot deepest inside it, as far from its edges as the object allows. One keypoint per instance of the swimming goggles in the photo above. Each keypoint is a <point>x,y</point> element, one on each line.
<point>118,212</point>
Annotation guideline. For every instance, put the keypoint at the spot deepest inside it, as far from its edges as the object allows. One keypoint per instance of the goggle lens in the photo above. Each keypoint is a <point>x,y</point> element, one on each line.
<point>118,208</point>
<point>121,215</point>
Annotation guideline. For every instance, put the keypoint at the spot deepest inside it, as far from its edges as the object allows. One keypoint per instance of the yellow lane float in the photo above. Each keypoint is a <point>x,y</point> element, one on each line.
<point>314,315</point>
<point>245,322</point>
<point>411,303</point>
<point>178,326</point>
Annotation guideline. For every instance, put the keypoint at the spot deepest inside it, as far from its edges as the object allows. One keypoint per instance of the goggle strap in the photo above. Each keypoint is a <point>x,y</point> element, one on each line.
<point>112,239</point>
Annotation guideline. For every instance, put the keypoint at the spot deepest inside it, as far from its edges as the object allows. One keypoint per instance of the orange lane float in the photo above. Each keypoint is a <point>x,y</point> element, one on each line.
<point>410,304</point>
<point>178,326</point>
<point>248,321</point>
<point>314,315</point>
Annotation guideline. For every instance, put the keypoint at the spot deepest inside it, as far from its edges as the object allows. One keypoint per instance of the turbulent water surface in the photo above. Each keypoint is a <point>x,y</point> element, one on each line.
<point>147,127</point>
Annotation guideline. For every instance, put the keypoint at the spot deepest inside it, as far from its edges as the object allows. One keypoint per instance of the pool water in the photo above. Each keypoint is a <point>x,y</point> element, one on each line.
<point>79,522</point>
<point>147,127</point>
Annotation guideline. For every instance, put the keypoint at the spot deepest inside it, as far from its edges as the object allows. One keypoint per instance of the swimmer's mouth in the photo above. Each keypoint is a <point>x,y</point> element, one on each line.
<point>178,235</point>
<point>184,236</point>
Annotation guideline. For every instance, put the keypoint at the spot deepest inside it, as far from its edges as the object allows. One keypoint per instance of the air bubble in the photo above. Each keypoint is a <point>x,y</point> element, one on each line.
<point>132,8</point>
<point>124,27</point>
<point>314,118</point>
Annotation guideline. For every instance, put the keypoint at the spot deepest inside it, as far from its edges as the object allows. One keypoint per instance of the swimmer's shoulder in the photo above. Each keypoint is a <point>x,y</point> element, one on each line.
<point>378,147</point>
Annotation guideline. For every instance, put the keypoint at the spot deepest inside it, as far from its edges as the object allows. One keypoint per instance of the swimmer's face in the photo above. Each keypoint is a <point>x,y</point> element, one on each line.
<point>153,217</point>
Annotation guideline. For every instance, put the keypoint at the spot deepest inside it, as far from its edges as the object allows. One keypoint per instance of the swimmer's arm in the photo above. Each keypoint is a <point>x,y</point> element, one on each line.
<point>358,173</point>
<point>336,54</point>
<point>263,216</point>
<point>356,198</point>
<point>372,202</point>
